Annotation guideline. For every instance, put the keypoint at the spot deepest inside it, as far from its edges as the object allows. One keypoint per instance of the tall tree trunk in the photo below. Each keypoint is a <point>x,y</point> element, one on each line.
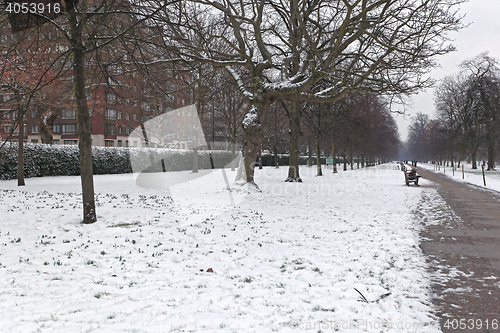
<point>318,158</point>
<point>253,139</point>
<point>199,114</point>
<point>490,141</point>
<point>276,162</point>
<point>334,162</point>
<point>293,168</point>
<point>310,156</point>
<point>83,116</point>
<point>351,161</point>
<point>362,160</point>
<point>344,157</point>
<point>473,158</point>
<point>233,154</point>
<point>357,162</point>
<point>20,155</point>
<point>195,149</point>
<point>251,147</point>
<point>195,160</point>
<point>260,157</point>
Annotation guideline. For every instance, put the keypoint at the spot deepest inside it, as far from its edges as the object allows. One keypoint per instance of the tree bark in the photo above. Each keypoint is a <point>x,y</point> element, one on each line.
<point>344,156</point>
<point>310,156</point>
<point>473,158</point>
<point>293,168</point>
<point>83,116</point>
<point>260,157</point>
<point>199,114</point>
<point>233,155</point>
<point>491,147</point>
<point>195,160</point>
<point>334,162</point>
<point>253,139</point>
<point>252,145</point>
<point>318,159</point>
<point>20,155</point>
<point>275,152</point>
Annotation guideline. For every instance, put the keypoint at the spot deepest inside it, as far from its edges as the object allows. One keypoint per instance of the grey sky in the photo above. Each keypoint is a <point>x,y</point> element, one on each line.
<point>483,35</point>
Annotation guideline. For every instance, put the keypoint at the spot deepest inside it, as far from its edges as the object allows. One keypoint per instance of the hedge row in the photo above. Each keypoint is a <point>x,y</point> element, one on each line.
<point>283,159</point>
<point>62,160</point>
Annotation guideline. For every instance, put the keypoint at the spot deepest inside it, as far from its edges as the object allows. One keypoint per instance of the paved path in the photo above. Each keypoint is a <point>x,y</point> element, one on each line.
<point>466,247</point>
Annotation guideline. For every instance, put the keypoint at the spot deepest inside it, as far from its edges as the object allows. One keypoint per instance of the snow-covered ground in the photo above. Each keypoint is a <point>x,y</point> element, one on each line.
<point>289,259</point>
<point>472,176</point>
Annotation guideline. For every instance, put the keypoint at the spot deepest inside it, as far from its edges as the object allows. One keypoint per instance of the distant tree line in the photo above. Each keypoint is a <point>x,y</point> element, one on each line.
<point>467,119</point>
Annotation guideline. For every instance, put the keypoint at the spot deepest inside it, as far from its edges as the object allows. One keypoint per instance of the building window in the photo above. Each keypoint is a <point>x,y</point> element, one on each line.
<point>34,140</point>
<point>146,106</point>
<point>33,113</point>
<point>126,143</point>
<point>127,116</point>
<point>69,114</point>
<point>109,143</point>
<point>70,142</point>
<point>119,115</point>
<point>55,141</point>
<point>134,117</point>
<point>119,143</point>
<point>56,128</point>
<point>34,129</point>
<point>127,131</point>
<point>69,129</point>
<point>110,114</point>
<point>111,98</point>
<point>89,96</point>
<point>119,130</point>
<point>109,129</point>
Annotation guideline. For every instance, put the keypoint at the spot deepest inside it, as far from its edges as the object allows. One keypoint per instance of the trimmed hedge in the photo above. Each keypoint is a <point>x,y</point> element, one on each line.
<point>283,159</point>
<point>61,160</point>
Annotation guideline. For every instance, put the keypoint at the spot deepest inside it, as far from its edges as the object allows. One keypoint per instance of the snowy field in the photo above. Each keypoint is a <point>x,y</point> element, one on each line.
<point>289,259</point>
<point>470,175</point>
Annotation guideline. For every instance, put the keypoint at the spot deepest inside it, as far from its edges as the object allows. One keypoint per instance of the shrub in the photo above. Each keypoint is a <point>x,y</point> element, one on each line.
<point>62,160</point>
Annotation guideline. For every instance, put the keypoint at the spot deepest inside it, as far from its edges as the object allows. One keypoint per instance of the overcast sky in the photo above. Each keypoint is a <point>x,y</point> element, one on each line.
<point>483,35</point>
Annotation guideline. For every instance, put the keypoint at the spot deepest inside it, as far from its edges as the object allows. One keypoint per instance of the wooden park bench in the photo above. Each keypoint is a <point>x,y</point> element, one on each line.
<point>409,179</point>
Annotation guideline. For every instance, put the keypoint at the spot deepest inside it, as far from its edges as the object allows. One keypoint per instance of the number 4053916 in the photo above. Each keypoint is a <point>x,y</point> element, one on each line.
<point>33,8</point>
<point>471,324</point>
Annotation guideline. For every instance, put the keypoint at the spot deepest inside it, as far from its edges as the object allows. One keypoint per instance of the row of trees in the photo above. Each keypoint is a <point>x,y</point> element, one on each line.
<point>297,53</point>
<point>467,122</point>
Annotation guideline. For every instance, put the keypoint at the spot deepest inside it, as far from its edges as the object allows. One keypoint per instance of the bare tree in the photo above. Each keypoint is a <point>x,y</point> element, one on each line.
<point>483,92</point>
<point>417,136</point>
<point>88,27</point>
<point>286,48</point>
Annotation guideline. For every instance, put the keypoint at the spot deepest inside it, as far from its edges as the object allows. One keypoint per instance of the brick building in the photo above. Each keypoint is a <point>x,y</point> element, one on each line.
<point>119,100</point>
